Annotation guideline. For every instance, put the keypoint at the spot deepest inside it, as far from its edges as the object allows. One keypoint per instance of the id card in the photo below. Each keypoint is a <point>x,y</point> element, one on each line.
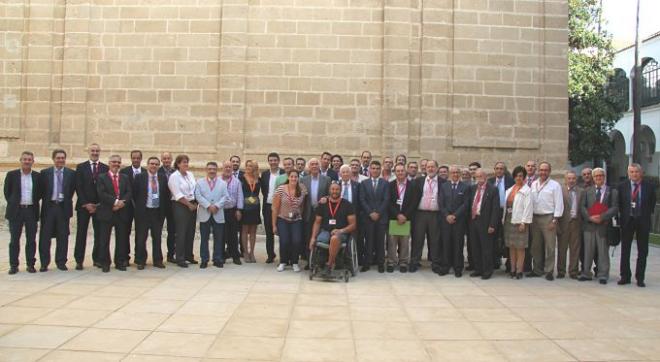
<point>155,196</point>
<point>399,202</point>
<point>251,200</point>
<point>60,196</point>
<point>633,205</point>
<point>290,215</point>
<point>332,222</point>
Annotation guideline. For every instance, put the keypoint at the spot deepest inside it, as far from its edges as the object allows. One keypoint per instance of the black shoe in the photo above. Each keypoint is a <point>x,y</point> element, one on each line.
<point>120,267</point>
<point>623,281</point>
<point>62,267</point>
<point>641,284</point>
<point>79,266</point>
<point>442,273</point>
<point>519,276</point>
<point>381,268</point>
<point>182,264</point>
<point>403,269</point>
<point>218,264</point>
<point>43,269</point>
<point>270,259</point>
<point>582,278</point>
<point>237,261</point>
<point>469,268</point>
<point>140,267</point>
<point>475,274</point>
<point>170,259</point>
<point>561,275</point>
<point>364,268</point>
<point>31,269</point>
<point>486,276</point>
<point>192,261</point>
<point>603,281</point>
<point>458,274</point>
<point>13,270</point>
<point>549,277</point>
<point>307,266</point>
<point>203,265</point>
<point>97,264</point>
<point>533,275</point>
<point>413,268</point>
<point>390,268</point>
<point>105,268</point>
<point>159,265</point>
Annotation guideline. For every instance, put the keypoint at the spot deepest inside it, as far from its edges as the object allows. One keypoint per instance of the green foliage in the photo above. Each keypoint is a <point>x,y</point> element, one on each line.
<point>592,110</point>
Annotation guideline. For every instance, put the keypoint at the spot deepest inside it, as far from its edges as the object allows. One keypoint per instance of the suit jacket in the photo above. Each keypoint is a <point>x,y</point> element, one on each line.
<point>85,183</point>
<point>332,174</point>
<point>420,183</point>
<point>610,198</point>
<point>13,193</point>
<point>490,206</point>
<point>207,197</point>
<point>167,198</point>
<point>375,200</point>
<point>454,202</point>
<point>68,188</point>
<point>355,192</point>
<point>408,207</point>
<point>566,216</point>
<point>107,197</point>
<point>140,192</point>
<point>264,182</point>
<point>647,206</point>
<point>324,187</point>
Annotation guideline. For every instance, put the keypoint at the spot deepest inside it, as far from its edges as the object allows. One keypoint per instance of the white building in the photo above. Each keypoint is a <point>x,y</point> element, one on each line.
<point>624,61</point>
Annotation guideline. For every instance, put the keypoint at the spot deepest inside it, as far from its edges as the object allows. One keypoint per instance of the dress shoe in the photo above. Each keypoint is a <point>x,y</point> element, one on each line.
<point>641,284</point>
<point>237,261</point>
<point>458,274</point>
<point>270,260</point>
<point>486,276</point>
<point>413,268</point>
<point>519,276</point>
<point>31,269</point>
<point>403,269</point>
<point>140,267</point>
<point>561,275</point>
<point>62,267</point>
<point>170,259</point>
<point>390,268</point>
<point>475,274</point>
<point>13,270</point>
<point>120,267</point>
<point>105,268</point>
<point>623,281</point>
<point>203,265</point>
<point>159,265</point>
<point>182,264</point>
<point>603,281</point>
<point>97,264</point>
<point>469,268</point>
<point>582,278</point>
<point>364,268</point>
<point>381,268</point>
<point>549,277</point>
<point>79,266</point>
<point>442,273</point>
<point>533,275</point>
<point>218,264</point>
<point>192,261</point>
<point>43,269</point>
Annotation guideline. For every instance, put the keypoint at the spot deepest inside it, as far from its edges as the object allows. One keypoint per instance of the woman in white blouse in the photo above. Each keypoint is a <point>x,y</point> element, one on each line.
<point>516,220</point>
<point>182,186</point>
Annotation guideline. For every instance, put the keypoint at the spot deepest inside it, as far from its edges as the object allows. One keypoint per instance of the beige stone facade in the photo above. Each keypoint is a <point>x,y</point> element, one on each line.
<point>456,80</point>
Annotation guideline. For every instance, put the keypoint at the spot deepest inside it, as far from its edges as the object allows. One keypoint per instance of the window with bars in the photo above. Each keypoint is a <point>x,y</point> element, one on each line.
<point>650,83</point>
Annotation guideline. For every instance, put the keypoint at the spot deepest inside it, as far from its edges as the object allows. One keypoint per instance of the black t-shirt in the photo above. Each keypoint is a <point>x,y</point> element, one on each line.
<point>345,209</point>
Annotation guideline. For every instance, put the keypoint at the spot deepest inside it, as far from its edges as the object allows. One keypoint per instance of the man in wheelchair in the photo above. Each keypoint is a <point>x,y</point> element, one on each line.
<point>334,223</point>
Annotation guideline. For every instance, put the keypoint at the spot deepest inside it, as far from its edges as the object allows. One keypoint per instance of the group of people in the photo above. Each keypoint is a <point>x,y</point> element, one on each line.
<point>391,209</point>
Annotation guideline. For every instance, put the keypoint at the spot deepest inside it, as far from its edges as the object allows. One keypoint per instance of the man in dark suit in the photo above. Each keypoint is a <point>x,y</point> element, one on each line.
<point>365,161</point>
<point>453,212</point>
<point>87,173</point>
<point>636,205</point>
<point>502,181</point>
<point>483,202</point>
<point>401,209</point>
<point>165,171</point>
<point>350,191</point>
<point>58,184</point>
<point>267,186</point>
<point>22,193</point>
<point>236,166</point>
<point>326,170</point>
<point>114,191</point>
<point>374,201</point>
<point>131,171</point>
<point>148,193</point>
<point>318,187</point>
<point>426,224</point>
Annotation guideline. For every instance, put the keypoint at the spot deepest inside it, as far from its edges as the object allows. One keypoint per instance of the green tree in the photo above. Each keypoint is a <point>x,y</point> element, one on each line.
<point>593,110</point>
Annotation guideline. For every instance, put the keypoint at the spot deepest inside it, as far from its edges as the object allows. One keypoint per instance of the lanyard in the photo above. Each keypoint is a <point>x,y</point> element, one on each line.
<point>211,184</point>
<point>401,191</point>
<point>538,190</point>
<point>252,186</point>
<point>430,188</point>
<point>333,212</point>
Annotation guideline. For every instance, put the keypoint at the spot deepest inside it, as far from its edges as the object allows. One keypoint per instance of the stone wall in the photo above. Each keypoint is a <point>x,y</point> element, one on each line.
<point>456,80</point>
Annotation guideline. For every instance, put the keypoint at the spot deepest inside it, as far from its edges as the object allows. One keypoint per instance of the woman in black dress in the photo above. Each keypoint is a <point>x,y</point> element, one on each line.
<point>251,209</point>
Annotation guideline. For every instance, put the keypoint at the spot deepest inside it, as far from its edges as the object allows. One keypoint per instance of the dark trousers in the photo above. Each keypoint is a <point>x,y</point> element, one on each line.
<point>205,229</point>
<point>24,218</point>
<point>498,251</point>
<point>185,231</point>
<point>359,242</point>
<point>374,232</point>
<point>426,226</point>
<point>171,232</point>
<point>151,221</point>
<point>267,213</point>
<point>82,222</point>
<point>129,226</point>
<point>482,246</point>
<point>453,240</point>
<point>291,240</point>
<point>231,233</point>
<point>640,229</point>
<point>54,223</point>
<point>103,249</point>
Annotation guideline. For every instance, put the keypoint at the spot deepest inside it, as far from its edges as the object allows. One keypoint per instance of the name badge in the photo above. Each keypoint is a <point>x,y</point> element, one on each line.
<point>251,200</point>
<point>509,210</point>
<point>633,205</point>
<point>290,215</point>
<point>60,196</point>
<point>155,196</point>
<point>399,202</point>
<point>332,222</point>
<point>433,199</point>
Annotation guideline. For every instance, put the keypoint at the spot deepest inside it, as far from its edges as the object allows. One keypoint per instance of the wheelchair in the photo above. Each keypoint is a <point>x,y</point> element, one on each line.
<point>346,263</point>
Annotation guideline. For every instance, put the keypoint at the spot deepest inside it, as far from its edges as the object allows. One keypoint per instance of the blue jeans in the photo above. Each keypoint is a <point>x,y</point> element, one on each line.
<point>290,235</point>
<point>205,229</point>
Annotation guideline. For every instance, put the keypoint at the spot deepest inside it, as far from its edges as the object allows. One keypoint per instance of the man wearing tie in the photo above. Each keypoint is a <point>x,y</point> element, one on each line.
<point>300,166</point>
<point>483,202</point>
<point>326,170</point>
<point>22,193</point>
<point>412,170</point>
<point>114,192</point>
<point>636,204</point>
<point>401,209</point>
<point>211,194</point>
<point>87,173</point>
<point>427,218</point>
<point>453,212</point>
<point>166,170</point>
<point>365,160</point>
<point>58,184</point>
<point>236,166</point>
<point>374,201</point>
<point>148,195</point>
<point>318,187</point>
<point>502,182</point>
<point>570,227</point>
<point>267,186</point>
<point>350,192</point>
<point>131,171</point>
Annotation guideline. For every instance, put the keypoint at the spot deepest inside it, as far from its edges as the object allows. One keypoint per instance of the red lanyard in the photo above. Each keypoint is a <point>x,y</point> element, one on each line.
<point>635,192</point>
<point>333,212</point>
<point>252,186</point>
<point>430,182</point>
<point>211,184</point>
<point>400,191</point>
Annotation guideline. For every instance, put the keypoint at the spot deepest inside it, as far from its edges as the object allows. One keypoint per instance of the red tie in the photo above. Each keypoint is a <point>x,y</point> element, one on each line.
<point>115,184</point>
<point>477,201</point>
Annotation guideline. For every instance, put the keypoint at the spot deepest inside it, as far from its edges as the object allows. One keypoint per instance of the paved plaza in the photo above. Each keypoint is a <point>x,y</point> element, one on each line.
<point>251,312</point>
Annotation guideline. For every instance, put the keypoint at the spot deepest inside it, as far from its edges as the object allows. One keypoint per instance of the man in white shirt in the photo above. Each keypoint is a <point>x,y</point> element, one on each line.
<point>426,224</point>
<point>548,208</point>
<point>267,185</point>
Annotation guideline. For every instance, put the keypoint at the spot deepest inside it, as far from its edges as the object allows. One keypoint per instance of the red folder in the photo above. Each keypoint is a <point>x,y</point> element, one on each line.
<point>597,208</point>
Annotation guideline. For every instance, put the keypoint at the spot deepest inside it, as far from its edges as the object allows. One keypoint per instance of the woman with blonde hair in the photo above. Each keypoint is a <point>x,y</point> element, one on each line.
<point>251,209</point>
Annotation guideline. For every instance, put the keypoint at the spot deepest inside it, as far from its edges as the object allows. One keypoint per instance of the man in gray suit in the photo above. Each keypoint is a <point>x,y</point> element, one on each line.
<point>570,225</point>
<point>211,194</point>
<point>595,227</point>
<point>317,187</point>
